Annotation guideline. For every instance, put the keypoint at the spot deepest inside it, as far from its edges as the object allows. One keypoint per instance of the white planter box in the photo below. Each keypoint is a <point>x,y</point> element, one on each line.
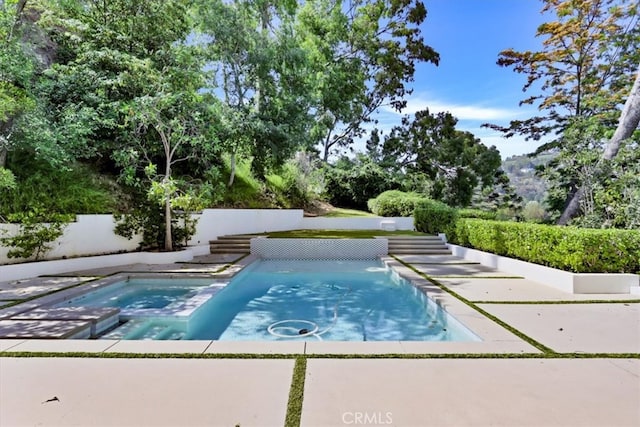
<point>576,283</point>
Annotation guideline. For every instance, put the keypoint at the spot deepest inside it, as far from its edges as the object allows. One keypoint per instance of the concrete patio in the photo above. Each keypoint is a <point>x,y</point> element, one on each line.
<point>530,387</point>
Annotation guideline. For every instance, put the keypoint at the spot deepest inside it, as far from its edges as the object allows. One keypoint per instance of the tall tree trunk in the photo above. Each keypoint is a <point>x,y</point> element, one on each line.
<point>3,156</point>
<point>232,166</point>
<point>168,238</point>
<point>628,123</point>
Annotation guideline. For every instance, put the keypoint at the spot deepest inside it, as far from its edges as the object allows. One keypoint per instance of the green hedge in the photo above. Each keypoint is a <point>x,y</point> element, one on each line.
<point>573,249</point>
<point>434,217</point>
<point>477,213</point>
<point>395,203</point>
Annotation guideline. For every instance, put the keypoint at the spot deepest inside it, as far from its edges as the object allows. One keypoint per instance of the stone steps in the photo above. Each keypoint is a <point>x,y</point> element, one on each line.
<point>418,245</point>
<point>231,244</point>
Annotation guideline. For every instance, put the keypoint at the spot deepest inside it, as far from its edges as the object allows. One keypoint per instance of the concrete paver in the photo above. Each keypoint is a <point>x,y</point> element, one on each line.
<point>144,392</point>
<point>525,392</point>
<point>45,329</point>
<point>150,346</point>
<point>468,270</point>
<point>182,268</point>
<point>107,271</point>
<point>489,289</point>
<point>9,344</point>
<point>216,258</point>
<point>62,346</point>
<point>256,347</point>
<point>592,328</point>
<point>21,289</point>
<point>434,259</point>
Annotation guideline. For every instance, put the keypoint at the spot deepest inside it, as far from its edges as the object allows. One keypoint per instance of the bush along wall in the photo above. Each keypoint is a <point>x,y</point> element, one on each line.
<point>572,249</point>
<point>435,217</point>
<point>395,203</point>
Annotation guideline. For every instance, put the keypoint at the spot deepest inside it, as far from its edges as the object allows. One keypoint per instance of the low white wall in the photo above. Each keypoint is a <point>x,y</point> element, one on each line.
<point>213,223</point>
<point>34,269</point>
<point>356,223</point>
<point>577,283</point>
<point>94,235</point>
<point>88,235</point>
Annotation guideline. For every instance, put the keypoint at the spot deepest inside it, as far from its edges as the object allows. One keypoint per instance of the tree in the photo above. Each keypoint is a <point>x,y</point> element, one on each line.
<point>180,124</point>
<point>363,53</point>
<point>454,161</point>
<point>352,182</point>
<point>579,79</point>
<point>628,123</point>
<point>17,70</point>
<point>260,70</point>
<point>584,69</point>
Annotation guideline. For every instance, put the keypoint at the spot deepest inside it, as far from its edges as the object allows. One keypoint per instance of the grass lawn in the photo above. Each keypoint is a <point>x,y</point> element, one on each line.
<point>347,213</point>
<point>340,234</point>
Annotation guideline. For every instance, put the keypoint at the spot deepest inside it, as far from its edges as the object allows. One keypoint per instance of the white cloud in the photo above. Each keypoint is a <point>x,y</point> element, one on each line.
<point>462,112</point>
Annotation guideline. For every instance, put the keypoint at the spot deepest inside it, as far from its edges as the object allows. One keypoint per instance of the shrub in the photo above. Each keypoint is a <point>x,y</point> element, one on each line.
<point>38,229</point>
<point>351,183</point>
<point>533,212</point>
<point>395,203</point>
<point>567,248</point>
<point>434,217</point>
<point>476,213</point>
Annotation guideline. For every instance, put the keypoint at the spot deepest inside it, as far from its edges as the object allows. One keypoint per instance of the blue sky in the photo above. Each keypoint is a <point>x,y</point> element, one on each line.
<point>469,34</point>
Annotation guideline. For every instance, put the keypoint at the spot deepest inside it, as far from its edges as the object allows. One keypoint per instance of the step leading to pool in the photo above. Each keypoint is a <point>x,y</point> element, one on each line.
<point>45,329</point>
<point>146,329</point>
<point>101,318</point>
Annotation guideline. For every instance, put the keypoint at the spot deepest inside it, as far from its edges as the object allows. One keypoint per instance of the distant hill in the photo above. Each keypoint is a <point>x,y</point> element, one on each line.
<point>521,171</point>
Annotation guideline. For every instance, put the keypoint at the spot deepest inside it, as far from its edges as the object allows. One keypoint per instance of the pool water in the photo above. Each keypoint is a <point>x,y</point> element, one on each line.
<point>323,300</point>
<point>141,293</point>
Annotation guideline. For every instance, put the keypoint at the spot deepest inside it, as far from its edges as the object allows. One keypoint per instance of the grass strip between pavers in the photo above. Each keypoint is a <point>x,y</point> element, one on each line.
<point>296,393</point>
<point>276,356</point>
<point>485,313</point>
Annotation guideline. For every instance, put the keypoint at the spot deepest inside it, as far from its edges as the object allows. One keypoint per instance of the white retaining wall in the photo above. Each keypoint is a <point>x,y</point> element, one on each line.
<point>94,235</point>
<point>220,222</point>
<point>577,283</point>
<point>88,235</point>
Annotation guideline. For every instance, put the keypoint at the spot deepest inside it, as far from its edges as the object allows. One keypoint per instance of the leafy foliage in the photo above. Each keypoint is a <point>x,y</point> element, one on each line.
<point>37,230</point>
<point>579,80</point>
<point>566,248</point>
<point>363,53</point>
<point>433,217</point>
<point>454,161</point>
<point>395,203</point>
<point>351,183</point>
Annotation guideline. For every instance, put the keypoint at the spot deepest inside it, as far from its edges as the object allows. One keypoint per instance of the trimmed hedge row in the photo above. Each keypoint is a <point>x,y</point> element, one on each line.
<point>394,203</point>
<point>435,217</point>
<point>572,249</point>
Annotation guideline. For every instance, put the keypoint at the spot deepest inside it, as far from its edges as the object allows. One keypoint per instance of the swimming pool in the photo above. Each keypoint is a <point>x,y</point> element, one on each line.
<point>283,300</point>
